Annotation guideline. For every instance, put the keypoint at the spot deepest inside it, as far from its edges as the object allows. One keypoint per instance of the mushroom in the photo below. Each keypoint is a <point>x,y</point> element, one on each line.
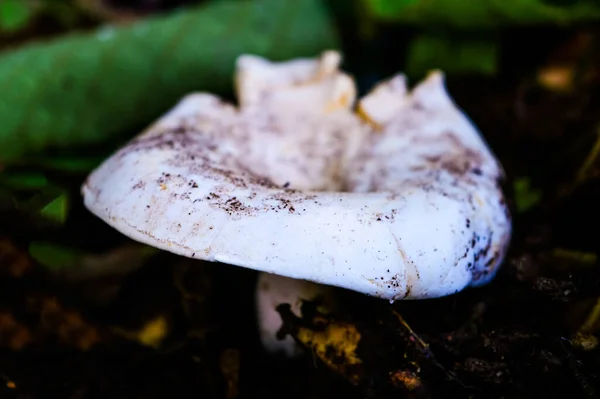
<point>397,198</point>
<point>273,290</point>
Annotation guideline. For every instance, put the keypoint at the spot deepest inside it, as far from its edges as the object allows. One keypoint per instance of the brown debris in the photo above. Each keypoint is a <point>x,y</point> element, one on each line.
<point>68,325</point>
<point>229,362</point>
<point>13,334</point>
<point>13,261</point>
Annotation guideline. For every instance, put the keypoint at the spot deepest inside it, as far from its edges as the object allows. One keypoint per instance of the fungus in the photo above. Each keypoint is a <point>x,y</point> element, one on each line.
<point>397,196</point>
<point>273,290</point>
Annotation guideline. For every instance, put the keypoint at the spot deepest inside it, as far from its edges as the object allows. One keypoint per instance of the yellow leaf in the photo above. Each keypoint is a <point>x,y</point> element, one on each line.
<point>153,332</point>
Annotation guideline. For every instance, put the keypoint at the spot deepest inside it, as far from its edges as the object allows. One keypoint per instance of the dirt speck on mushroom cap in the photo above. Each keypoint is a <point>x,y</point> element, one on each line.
<point>400,201</point>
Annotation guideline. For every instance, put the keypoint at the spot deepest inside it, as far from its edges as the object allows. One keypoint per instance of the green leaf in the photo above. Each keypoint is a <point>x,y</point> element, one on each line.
<point>31,195</point>
<point>478,14</point>
<point>57,210</point>
<point>77,265</point>
<point>525,197</point>
<point>54,257</point>
<point>390,7</point>
<point>14,14</point>
<point>575,257</point>
<point>88,88</point>
<point>73,164</point>
<point>23,181</point>
<point>452,54</point>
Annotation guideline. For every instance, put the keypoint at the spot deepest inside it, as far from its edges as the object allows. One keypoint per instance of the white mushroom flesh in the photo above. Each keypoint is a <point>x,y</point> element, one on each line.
<point>400,200</point>
<point>273,290</point>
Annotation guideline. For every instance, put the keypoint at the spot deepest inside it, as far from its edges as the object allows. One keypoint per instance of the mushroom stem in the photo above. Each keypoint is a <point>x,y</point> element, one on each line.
<point>273,290</point>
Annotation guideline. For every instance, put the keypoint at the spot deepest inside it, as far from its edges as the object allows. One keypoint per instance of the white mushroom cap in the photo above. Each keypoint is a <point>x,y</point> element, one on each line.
<point>400,200</point>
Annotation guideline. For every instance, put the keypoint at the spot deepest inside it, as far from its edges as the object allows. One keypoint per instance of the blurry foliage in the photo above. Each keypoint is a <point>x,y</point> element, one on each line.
<point>591,165</point>
<point>23,181</point>
<point>453,54</point>
<point>32,194</point>
<point>525,196</point>
<point>21,20</point>
<point>77,265</point>
<point>57,209</point>
<point>70,163</point>
<point>14,14</point>
<point>461,36</point>
<point>483,14</point>
<point>54,257</point>
<point>88,88</point>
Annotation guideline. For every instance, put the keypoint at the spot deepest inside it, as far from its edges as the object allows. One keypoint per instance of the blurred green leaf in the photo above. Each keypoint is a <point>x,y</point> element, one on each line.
<point>87,88</point>
<point>57,210</point>
<point>67,13</point>
<point>78,265</point>
<point>525,196</point>
<point>31,194</point>
<point>14,14</point>
<point>390,7</point>
<point>23,181</point>
<point>578,258</point>
<point>479,14</point>
<point>452,54</point>
<point>52,256</point>
<point>71,164</point>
